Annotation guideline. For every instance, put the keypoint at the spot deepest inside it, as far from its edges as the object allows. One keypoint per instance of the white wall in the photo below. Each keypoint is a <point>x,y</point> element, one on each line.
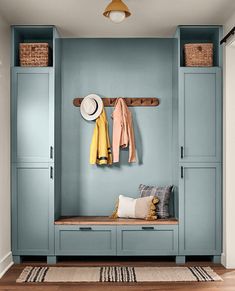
<point>228,257</point>
<point>230,23</point>
<point>5,221</point>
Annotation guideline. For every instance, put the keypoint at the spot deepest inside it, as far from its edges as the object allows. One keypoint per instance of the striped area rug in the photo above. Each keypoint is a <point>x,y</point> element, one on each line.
<point>117,274</point>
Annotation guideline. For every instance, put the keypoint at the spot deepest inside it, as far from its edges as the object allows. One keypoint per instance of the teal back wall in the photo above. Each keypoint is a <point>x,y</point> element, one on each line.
<point>110,68</point>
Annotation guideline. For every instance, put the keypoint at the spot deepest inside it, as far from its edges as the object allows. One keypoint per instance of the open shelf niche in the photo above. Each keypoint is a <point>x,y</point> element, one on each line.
<point>201,34</point>
<point>29,34</point>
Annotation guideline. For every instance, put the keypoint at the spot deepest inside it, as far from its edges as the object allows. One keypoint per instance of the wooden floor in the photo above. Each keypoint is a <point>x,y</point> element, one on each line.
<point>8,280</point>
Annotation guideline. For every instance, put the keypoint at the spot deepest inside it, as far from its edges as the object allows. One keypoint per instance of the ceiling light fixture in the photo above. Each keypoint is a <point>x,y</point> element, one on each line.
<point>117,11</point>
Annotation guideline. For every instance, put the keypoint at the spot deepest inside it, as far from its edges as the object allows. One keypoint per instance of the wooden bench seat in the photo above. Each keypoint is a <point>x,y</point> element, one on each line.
<point>105,220</point>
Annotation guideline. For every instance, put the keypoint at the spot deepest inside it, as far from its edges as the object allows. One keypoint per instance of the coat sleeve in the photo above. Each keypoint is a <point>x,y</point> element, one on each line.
<point>94,146</point>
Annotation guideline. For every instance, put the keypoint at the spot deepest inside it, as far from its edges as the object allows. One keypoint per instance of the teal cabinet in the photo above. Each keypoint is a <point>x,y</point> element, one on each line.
<point>147,240</point>
<point>200,209</point>
<point>35,145</point>
<point>32,161</point>
<point>85,240</point>
<point>200,114</point>
<point>32,115</point>
<point>32,209</point>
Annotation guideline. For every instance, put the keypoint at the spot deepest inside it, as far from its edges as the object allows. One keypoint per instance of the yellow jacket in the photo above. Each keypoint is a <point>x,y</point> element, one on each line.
<point>100,150</point>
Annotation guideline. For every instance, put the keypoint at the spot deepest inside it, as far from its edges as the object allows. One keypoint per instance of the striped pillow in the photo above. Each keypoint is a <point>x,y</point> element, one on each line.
<point>162,193</point>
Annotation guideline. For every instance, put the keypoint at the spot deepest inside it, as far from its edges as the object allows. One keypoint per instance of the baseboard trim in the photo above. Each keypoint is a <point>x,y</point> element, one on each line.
<point>5,263</point>
<point>223,259</point>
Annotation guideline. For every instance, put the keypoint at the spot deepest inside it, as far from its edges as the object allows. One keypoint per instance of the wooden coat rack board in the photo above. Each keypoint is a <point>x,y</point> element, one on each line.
<point>109,102</point>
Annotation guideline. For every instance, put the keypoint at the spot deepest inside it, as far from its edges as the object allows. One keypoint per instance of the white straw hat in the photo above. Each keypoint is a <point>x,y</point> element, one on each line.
<point>91,107</point>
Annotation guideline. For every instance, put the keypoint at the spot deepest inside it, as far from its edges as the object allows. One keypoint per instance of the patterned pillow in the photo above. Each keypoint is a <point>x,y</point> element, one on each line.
<point>162,193</point>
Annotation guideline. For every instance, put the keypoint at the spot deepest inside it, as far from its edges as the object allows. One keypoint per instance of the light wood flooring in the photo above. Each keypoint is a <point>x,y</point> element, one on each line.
<point>8,282</point>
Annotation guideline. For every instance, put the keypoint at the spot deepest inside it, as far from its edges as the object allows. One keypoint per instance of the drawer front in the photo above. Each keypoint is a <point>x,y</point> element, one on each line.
<point>85,240</point>
<point>147,240</point>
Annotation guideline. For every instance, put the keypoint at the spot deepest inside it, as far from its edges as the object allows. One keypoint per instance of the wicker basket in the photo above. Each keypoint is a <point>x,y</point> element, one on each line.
<point>34,54</point>
<point>198,54</point>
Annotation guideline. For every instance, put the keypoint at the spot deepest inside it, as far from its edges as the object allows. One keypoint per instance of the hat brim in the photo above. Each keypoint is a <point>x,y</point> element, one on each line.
<point>100,107</point>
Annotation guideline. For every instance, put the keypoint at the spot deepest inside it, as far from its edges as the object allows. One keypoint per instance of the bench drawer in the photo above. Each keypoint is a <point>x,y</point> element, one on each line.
<point>85,240</point>
<point>147,240</point>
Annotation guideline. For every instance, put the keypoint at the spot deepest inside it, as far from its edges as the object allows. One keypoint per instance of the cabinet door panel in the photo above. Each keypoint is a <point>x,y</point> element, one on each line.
<point>32,114</point>
<point>32,209</point>
<point>200,115</point>
<point>200,209</point>
<point>85,240</point>
<point>147,240</point>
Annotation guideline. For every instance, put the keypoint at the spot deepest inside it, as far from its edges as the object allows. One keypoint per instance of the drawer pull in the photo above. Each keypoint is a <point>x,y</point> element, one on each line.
<point>51,152</point>
<point>147,227</point>
<point>85,228</point>
<point>182,172</point>
<point>182,152</point>
<point>51,173</point>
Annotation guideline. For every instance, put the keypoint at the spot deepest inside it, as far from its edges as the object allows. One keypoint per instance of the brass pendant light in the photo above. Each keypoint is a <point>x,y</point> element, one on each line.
<point>117,11</point>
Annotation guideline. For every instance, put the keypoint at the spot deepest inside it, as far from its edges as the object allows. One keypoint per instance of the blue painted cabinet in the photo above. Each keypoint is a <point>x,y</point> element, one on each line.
<point>199,168</point>
<point>200,209</point>
<point>155,240</point>
<point>85,240</point>
<point>32,161</point>
<point>32,115</point>
<point>200,114</point>
<point>32,205</point>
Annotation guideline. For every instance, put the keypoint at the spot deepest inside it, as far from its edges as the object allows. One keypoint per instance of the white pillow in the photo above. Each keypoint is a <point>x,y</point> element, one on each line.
<point>143,207</point>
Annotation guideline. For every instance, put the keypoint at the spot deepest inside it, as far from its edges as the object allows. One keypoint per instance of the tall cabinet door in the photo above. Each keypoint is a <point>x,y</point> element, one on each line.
<point>200,115</point>
<point>32,114</point>
<point>32,161</point>
<point>32,209</point>
<point>200,209</point>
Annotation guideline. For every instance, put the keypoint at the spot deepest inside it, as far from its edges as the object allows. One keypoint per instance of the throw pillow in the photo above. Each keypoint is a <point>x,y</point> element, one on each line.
<point>144,208</point>
<point>162,193</point>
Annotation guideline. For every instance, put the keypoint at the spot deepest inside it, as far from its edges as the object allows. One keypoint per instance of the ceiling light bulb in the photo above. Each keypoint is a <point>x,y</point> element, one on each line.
<point>117,16</point>
<point>116,11</point>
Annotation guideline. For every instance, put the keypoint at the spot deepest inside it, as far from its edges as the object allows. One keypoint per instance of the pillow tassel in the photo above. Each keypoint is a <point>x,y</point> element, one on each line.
<point>152,210</point>
<point>114,214</point>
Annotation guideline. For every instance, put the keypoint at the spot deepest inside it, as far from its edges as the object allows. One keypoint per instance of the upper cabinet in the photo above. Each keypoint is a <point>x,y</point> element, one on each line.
<point>33,114</point>
<point>200,114</point>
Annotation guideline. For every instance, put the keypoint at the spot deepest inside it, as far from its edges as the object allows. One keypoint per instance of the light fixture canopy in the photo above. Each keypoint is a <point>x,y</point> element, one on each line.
<point>117,11</point>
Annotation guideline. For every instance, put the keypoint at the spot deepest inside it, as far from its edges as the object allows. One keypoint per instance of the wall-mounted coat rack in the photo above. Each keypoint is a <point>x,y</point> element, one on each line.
<point>109,102</point>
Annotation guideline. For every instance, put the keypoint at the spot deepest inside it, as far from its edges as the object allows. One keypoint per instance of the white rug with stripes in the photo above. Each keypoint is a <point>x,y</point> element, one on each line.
<point>117,274</point>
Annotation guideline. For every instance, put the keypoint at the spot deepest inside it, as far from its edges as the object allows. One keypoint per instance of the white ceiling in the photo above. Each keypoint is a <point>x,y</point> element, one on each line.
<point>83,18</point>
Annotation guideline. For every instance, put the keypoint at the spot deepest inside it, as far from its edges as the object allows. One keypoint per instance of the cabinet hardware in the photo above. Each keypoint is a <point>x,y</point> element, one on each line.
<point>181,152</point>
<point>182,172</point>
<point>85,228</point>
<point>51,172</point>
<point>147,227</point>
<point>51,152</point>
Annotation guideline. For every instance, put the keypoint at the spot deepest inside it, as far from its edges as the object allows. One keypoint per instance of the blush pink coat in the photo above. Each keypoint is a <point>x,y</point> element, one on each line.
<point>123,132</point>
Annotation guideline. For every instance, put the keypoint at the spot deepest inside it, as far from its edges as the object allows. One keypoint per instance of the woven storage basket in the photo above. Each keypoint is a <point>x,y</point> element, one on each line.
<point>34,54</point>
<point>198,54</point>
